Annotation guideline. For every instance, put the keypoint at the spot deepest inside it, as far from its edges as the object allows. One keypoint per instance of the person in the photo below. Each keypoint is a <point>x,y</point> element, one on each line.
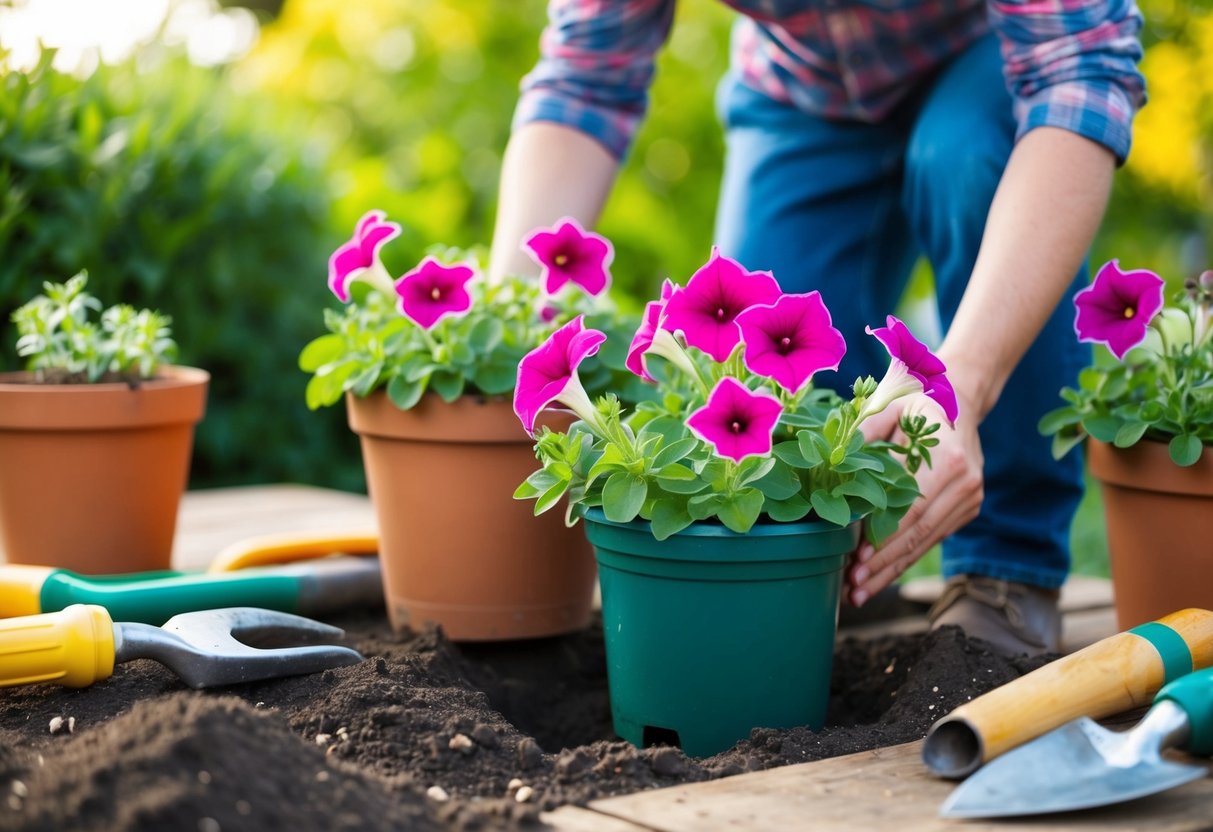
<point>859,134</point>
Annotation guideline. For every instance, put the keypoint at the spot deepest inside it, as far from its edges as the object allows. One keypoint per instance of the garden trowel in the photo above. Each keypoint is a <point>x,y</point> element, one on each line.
<point>1082,765</point>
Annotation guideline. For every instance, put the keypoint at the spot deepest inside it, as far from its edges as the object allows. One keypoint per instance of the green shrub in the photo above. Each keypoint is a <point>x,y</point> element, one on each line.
<point>175,193</point>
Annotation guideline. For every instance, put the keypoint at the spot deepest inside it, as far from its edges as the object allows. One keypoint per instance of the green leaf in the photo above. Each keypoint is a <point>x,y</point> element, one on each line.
<point>670,516</point>
<point>1185,449</point>
<point>1055,420</point>
<point>1129,433</point>
<point>1064,442</point>
<point>901,497</point>
<point>1104,428</point>
<point>810,449</point>
<point>789,510</point>
<point>860,462</point>
<point>740,511</point>
<point>364,382</point>
<point>551,497</point>
<point>703,506</point>
<point>542,480</point>
<point>779,483</point>
<point>405,394</point>
<point>865,487</point>
<point>675,472</point>
<point>611,460</point>
<point>623,495</point>
<point>321,351</point>
<point>447,384</point>
<point>486,334</point>
<point>324,389</point>
<point>830,508</point>
<point>680,486</point>
<point>789,454</point>
<point>525,491</point>
<point>674,452</point>
<point>880,525</point>
<point>494,378</point>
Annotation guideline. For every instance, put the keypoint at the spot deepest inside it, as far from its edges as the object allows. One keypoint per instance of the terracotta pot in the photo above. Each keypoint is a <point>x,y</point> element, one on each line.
<point>456,549</point>
<point>1160,529</point>
<point>91,475</point>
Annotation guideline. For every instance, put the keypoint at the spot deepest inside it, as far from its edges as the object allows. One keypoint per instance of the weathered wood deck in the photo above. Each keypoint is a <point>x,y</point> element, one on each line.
<point>888,787</point>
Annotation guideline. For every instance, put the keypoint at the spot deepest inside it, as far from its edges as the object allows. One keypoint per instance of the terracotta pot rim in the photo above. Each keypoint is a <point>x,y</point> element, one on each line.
<point>1147,466</point>
<point>470,419</point>
<point>176,395</point>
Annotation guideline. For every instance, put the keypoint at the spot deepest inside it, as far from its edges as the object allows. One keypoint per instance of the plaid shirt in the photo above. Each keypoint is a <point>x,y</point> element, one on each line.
<point>1069,63</point>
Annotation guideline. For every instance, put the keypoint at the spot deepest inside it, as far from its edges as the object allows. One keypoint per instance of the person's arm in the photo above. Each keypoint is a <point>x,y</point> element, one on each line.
<point>1043,218</point>
<point>575,119</point>
<point>1071,69</point>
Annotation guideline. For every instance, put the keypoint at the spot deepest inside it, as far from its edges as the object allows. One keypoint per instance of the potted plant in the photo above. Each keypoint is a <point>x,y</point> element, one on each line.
<point>95,435</point>
<point>723,513</point>
<point>426,363</point>
<point>1145,413</point>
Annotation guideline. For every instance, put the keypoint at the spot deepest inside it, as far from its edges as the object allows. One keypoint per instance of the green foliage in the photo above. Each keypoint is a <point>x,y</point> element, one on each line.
<point>1161,391</point>
<point>176,194</point>
<point>63,343</point>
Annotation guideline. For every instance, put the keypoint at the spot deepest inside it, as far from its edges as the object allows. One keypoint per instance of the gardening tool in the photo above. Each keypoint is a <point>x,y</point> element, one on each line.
<point>1082,765</point>
<point>319,585</point>
<point>81,644</point>
<point>1117,674</point>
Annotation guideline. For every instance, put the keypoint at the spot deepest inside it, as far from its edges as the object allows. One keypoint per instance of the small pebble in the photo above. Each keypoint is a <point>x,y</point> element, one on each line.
<point>204,777</point>
<point>323,739</point>
<point>461,742</point>
<point>20,789</point>
<point>524,794</point>
<point>514,785</point>
<point>71,725</point>
<point>342,731</point>
<point>56,724</point>
<point>438,794</point>
<point>14,802</point>
<point>381,666</point>
<point>484,736</point>
<point>243,807</point>
<point>529,753</point>
<point>259,705</point>
<point>322,776</point>
<point>935,689</point>
<point>930,707</point>
<point>208,825</point>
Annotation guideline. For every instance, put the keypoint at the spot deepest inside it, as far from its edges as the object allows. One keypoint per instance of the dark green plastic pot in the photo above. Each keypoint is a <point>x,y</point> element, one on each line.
<point>711,633</point>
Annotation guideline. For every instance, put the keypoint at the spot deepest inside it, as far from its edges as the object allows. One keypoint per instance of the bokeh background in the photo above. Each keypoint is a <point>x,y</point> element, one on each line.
<point>205,158</point>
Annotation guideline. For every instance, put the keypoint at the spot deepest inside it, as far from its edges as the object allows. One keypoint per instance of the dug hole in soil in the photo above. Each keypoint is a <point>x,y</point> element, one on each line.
<point>424,734</point>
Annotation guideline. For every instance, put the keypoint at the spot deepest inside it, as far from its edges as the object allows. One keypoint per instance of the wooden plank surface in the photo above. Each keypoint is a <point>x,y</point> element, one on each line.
<point>888,788</point>
<point>209,520</point>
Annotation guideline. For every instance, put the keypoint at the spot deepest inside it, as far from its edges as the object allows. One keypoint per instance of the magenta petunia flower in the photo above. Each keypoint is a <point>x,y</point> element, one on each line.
<point>791,339</point>
<point>548,374</point>
<point>432,291</point>
<point>1117,307</point>
<point>736,422</point>
<point>914,368</point>
<point>359,257</point>
<point>654,311</point>
<point>570,254</point>
<point>707,308</point>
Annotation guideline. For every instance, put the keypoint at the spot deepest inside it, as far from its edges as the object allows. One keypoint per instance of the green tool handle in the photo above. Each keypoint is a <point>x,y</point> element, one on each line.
<point>1194,693</point>
<point>156,598</point>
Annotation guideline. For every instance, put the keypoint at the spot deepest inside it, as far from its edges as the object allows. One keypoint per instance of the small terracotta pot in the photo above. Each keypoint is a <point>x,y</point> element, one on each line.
<point>1160,529</point>
<point>455,547</point>
<point>91,475</point>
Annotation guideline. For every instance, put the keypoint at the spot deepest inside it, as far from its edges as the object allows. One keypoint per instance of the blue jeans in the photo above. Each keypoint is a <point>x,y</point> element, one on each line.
<point>846,208</point>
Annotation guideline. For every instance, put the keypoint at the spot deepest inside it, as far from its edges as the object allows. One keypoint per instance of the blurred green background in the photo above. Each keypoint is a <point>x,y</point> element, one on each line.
<point>209,167</point>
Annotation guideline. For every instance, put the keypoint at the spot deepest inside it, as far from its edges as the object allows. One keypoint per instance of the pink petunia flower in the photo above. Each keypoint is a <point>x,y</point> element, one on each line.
<point>548,374</point>
<point>736,422</point>
<point>650,325</point>
<point>358,258</point>
<point>791,339</point>
<point>1117,307</point>
<point>914,369</point>
<point>570,254</point>
<point>432,291</point>
<point>707,308</point>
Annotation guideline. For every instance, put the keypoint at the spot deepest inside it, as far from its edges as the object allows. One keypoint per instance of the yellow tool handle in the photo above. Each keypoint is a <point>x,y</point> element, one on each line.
<point>274,549</point>
<point>73,647</point>
<point>1113,675</point>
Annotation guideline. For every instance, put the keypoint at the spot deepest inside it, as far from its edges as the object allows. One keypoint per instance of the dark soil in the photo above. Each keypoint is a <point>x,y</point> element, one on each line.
<point>361,747</point>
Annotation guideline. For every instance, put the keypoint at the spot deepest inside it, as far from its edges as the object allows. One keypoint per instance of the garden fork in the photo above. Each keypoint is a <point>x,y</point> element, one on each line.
<point>81,644</point>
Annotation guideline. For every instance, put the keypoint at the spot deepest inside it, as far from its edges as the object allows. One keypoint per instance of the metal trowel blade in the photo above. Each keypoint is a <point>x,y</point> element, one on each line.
<point>1077,766</point>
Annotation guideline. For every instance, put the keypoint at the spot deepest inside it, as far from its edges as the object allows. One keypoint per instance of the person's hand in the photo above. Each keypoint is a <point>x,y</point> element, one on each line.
<point>951,497</point>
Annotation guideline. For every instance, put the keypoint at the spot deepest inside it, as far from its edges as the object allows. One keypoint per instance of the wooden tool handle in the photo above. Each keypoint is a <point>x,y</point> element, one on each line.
<point>1116,674</point>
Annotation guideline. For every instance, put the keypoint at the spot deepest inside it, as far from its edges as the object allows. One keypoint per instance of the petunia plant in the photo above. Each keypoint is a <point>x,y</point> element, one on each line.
<point>442,327</point>
<point>1159,386</point>
<point>737,433</point>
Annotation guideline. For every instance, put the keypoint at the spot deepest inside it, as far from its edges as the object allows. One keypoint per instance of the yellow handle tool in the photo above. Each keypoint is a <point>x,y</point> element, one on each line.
<point>73,647</point>
<point>1117,674</point>
<point>274,549</point>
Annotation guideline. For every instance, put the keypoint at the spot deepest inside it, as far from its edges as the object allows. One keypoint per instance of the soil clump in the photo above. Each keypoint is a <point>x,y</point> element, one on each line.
<point>424,735</point>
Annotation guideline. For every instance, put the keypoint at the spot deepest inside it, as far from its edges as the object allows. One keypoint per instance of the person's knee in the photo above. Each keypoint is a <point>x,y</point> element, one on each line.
<point>953,170</point>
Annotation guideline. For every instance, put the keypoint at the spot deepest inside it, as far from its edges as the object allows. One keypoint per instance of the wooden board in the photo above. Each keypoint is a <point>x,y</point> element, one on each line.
<point>883,789</point>
<point>210,520</point>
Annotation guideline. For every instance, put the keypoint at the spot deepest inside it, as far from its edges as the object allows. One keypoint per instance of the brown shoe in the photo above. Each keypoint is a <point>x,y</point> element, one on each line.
<point>1013,617</point>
